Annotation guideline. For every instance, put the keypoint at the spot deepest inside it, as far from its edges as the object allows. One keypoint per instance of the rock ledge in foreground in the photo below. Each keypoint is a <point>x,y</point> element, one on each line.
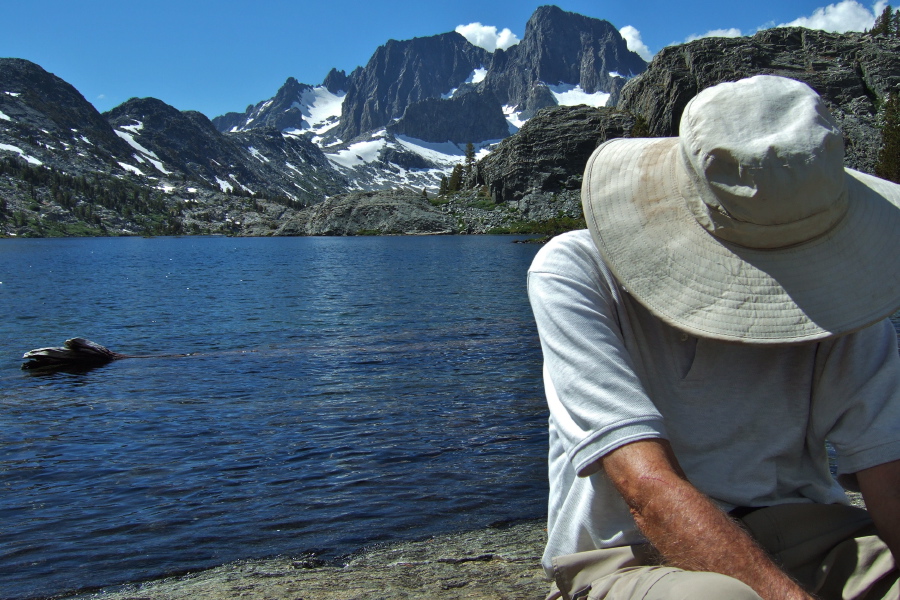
<point>501,563</point>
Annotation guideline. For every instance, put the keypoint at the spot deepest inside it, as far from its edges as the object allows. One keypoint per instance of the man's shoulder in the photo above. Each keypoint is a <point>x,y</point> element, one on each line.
<point>569,252</point>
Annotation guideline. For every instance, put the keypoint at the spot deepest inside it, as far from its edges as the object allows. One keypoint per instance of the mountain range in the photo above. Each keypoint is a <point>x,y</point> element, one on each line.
<point>378,141</point>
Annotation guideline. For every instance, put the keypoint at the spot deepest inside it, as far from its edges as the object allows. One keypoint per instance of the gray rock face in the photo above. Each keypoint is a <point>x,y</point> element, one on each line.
<point>402,73</point>
<point>366,213</point>
<point>561,47</point>
<point>471,117</point>
<point>852,72</point>
<point>548,154</point>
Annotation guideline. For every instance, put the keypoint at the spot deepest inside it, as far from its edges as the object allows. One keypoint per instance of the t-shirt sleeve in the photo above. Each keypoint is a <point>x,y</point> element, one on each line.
<point>856,398</point>
<point>595,398</point>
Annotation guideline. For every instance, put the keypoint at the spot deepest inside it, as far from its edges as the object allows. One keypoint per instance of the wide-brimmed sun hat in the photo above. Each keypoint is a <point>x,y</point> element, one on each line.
<point>747,227</point>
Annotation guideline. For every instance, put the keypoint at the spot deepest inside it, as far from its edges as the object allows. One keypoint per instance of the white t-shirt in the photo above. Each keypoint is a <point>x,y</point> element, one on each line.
<point>748,423</point>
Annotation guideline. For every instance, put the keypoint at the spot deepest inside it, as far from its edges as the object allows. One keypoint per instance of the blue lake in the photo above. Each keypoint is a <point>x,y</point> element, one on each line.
<point>341,392</point>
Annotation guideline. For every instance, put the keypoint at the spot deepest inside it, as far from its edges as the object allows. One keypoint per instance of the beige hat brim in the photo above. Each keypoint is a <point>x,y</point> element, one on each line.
<point>839,282</point>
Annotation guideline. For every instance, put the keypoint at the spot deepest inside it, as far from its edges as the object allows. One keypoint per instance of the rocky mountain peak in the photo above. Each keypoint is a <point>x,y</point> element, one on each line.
<point>401,73</point>
<point>43,113</point>
<point>562,48</point>
<point>279,112</point>
<point>336,81</point>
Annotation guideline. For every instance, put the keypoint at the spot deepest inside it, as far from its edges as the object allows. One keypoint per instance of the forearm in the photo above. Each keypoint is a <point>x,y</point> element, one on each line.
<point>688,530</point>
<point>880,486</point>
<point>691,533</point>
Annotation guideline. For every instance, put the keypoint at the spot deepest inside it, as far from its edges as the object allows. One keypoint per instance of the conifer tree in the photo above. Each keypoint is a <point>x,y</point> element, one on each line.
<point>444,187</point>
<point>884,24</point>
<point>470,161</point>
<point>455,178</point>
<point>888,165</point>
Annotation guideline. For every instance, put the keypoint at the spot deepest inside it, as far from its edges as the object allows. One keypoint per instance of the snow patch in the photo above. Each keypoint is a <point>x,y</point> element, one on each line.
<point>477,75</point>
<point>224,185</point>
<point>357,154</point>
<point>257,154</point>
<point>85,140</point>
<point>319,106</point>
<point>514,118</point>
<point>572,95</point>
<point>4,117</point>
<point>30,159</point>
<point>445,153</point>
<point>13,94</point>
<point>128,167</point>
<point>148,154</point>
<point>133,128</point>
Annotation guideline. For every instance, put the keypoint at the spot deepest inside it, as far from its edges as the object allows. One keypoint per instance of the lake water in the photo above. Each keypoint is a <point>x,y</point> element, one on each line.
<point>341,392</point>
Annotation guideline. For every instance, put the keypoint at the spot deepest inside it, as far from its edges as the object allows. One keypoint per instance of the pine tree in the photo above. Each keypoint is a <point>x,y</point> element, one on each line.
<point>455,178</point>
<point>888,165</point>
<point>470,161</point>
<point>444,187</point>
<point>884,24</point>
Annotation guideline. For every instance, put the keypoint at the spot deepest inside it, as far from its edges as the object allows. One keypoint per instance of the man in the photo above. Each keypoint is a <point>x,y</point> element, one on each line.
<point>724,317</point>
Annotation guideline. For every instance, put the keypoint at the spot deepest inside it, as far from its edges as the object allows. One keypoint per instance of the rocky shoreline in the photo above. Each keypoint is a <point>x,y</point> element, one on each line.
<point>501,562</point>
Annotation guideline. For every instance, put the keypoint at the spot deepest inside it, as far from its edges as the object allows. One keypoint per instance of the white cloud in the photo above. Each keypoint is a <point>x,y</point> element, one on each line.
<point>635,44</point>
<point>487,37</point>
<point>730,32</point>
<point>847,15</point>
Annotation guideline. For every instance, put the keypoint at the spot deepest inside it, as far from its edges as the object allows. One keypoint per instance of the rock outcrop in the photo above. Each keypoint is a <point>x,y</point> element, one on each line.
<point>369,213</point>
<point>547,156</point>
<point>853,72</point>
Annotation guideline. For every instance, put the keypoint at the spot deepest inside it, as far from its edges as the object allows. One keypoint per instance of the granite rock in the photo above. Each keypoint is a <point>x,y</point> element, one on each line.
<point>547,156</point>
<point>853,73</point>
<point>368,213</point>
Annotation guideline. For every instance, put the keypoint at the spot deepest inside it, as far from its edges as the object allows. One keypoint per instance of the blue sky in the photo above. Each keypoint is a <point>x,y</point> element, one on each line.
<point>221,56</point>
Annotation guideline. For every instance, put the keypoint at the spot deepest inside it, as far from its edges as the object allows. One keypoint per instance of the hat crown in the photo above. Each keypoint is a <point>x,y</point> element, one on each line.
<point>763,162</point>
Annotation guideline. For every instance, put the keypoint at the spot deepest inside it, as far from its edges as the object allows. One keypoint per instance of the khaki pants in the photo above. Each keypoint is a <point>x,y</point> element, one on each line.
<point>831,550</point>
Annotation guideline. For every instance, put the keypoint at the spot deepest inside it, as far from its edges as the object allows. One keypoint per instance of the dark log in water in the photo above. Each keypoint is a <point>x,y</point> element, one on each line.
<point>76,353</point>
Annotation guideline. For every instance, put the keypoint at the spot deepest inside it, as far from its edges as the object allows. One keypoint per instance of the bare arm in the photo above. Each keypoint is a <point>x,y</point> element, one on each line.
<point>880,487</point>
<point>689,530</point>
